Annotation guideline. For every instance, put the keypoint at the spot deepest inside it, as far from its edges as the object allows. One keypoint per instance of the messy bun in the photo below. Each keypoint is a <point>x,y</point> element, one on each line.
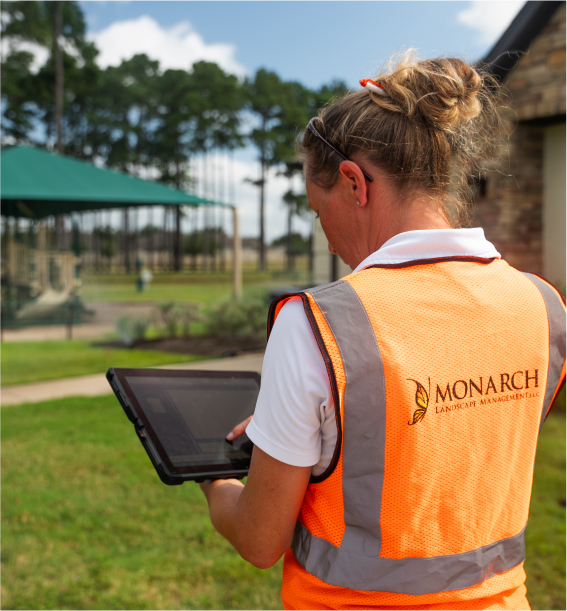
<point>431,127</point>
<point>444,92</point>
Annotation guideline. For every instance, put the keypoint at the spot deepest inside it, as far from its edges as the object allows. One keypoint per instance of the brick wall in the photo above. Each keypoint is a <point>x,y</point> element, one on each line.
<point>511,210</point>
<point>537,83</point>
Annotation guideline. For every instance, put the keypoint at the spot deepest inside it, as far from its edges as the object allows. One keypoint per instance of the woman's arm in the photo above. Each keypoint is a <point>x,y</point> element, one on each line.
<point>259,518</point>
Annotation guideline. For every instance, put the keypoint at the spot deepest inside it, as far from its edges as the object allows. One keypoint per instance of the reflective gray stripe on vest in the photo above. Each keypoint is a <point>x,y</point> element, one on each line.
<point>556,320</point>
<point>356,564</point>
<point>364,427</point>
<point>408,575</point>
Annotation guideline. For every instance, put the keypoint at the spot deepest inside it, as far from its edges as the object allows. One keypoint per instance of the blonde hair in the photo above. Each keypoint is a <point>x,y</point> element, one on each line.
<point>432,132</point>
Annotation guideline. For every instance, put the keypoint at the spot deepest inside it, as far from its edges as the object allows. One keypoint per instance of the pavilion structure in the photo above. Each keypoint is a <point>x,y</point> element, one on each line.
<point>40,283</point>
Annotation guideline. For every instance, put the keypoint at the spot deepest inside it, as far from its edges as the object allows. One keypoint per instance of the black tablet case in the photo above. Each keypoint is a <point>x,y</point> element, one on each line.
<point>171,479</point>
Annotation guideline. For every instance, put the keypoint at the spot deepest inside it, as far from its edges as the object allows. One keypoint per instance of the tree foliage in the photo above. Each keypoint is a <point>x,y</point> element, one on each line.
<point>299,243</point>
<point>138,118</point>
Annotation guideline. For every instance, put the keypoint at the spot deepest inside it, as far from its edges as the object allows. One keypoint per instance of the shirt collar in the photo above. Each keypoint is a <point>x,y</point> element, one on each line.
<point>432,244</point>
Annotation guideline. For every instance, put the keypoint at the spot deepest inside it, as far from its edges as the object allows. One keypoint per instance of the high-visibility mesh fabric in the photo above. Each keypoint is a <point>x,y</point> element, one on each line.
<point>460,478</point>
<point>468,337</point>
<point>301,590</point>
<point>322,511</point>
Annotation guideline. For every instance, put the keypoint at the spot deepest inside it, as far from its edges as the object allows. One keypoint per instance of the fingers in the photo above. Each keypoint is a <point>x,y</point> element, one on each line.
<point>205,486</point>
<point>238,429</point>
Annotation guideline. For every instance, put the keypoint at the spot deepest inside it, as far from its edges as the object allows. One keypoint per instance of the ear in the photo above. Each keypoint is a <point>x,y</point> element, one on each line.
<point>353,181</point>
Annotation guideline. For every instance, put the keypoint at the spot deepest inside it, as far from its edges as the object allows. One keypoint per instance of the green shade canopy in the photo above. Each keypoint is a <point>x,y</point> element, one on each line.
<point>36,183</point>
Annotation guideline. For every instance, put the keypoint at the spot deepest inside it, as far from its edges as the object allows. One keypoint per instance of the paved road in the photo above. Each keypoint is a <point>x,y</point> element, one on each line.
<point>57,332</point>
<point>103,323</point>
<point>94,385</point>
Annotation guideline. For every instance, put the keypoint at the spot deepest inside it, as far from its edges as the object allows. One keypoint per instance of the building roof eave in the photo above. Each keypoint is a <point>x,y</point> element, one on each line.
<point>518,37</point>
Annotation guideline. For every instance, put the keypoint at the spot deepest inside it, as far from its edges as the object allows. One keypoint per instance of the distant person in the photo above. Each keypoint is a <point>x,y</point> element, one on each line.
<point>400,407</point>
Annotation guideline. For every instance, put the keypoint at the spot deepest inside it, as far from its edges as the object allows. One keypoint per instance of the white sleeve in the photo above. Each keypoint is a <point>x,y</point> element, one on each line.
<point>295,397</point>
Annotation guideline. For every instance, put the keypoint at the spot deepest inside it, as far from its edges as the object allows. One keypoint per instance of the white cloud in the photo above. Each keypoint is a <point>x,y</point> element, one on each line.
<point>489,19</point>
<point>176,47</point>
<point>40,54</point>
<point>9,44</point>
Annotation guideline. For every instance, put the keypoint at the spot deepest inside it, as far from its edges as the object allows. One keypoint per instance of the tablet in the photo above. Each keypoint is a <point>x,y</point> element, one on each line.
<point>182,419</point>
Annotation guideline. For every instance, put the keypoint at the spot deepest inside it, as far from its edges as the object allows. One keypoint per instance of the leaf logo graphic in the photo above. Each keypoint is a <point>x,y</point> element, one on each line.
<point>422,402</point>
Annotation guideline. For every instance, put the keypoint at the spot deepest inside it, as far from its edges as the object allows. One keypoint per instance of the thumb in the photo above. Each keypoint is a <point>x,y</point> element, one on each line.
<point>238,429</point>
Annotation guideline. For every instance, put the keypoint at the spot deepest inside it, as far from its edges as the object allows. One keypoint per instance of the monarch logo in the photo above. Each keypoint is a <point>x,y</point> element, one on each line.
<point>421,400</point>
<point>475,391</point>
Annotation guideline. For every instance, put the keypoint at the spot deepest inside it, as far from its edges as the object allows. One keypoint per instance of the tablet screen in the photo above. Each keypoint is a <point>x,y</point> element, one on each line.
<point>191,415</point>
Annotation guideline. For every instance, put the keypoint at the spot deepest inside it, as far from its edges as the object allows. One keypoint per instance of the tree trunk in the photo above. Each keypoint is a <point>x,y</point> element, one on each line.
<point>290,212</point>
<point>311,255</point>
<point>136,237</point>
<point>126,242</point>
<point>262,246</point>
<point>163,258</point>
<point>59,221</point>
<point>178,244</point>
<point>212,213</point>
<point>150,238</point>
<point>205,240</point>
<point>289,239</point>
<point>58,76</point>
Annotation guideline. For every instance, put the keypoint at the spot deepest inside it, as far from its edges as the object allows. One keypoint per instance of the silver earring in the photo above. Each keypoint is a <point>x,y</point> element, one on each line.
<point>358,202</point>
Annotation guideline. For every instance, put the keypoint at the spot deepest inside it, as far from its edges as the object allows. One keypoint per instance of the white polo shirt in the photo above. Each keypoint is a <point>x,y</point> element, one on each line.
<point>294,419</point>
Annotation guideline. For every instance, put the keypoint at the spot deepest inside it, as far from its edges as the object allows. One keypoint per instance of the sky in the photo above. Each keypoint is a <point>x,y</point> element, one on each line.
<point>312,42</point>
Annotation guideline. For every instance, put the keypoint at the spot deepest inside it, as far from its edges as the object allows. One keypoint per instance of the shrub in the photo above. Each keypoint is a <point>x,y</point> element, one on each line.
<point>188,313</point>
<point>167,315</point>
<point>131,329</point>
<point>173,315</point>
<point>244,319</point>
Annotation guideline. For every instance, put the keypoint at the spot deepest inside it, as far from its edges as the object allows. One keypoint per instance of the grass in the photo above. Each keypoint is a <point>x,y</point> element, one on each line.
<point>203,288</point>
<point>24,362</point>
<point>86,524</point>
<point>545,535</point>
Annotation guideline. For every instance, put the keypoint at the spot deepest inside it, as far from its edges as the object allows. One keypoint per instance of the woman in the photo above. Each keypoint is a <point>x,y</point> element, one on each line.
<point>400,407</point>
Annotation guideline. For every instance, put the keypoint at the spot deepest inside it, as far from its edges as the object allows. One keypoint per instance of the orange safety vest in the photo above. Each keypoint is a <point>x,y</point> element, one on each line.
<point>442,373</point>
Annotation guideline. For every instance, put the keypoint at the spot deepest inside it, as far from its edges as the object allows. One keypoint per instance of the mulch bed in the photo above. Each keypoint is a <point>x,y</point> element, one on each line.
<point>219,347</point>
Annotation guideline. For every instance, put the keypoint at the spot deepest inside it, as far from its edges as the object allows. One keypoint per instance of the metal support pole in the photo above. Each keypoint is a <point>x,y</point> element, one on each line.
<point>236,256</point>
<point>70,322</point>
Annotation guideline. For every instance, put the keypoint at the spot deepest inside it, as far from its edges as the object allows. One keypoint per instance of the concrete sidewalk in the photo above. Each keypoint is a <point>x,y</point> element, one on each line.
<point>94,385</point>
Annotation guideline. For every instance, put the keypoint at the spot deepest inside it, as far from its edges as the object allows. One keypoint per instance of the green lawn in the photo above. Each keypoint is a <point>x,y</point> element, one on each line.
<point>203,288</point>
<point>24,362</point>
<point>205,293</point>
<point>545,535</point>
<point>86,524</point>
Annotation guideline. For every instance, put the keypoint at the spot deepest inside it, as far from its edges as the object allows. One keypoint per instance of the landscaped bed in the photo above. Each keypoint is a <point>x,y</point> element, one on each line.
<point>214,347</point>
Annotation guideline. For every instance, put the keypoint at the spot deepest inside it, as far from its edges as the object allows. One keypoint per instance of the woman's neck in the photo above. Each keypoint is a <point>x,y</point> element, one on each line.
<point>419,213</point>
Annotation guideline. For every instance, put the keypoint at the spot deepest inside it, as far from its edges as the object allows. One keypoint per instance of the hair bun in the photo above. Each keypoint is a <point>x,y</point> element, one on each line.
<point>443,91</point>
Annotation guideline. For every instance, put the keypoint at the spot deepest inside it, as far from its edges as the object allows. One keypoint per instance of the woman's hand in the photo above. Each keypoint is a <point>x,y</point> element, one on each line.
<point>259,518</point>
<point>238,429</point>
